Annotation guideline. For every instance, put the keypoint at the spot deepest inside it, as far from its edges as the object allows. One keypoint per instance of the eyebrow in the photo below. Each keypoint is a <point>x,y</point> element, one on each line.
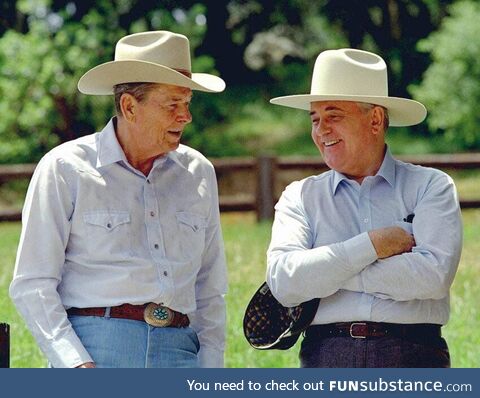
<point>329,108</point>
<point>175,98</point>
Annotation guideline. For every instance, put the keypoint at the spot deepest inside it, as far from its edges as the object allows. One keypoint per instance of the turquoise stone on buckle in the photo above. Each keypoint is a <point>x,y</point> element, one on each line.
<point>157,315</point>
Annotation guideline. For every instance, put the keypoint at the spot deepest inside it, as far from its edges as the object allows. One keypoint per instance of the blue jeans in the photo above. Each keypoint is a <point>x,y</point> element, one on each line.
<point>125,343</point>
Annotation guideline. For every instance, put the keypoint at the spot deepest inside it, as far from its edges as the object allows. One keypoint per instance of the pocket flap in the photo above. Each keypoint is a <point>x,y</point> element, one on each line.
<point>193,220</point>
<point>107,219</point>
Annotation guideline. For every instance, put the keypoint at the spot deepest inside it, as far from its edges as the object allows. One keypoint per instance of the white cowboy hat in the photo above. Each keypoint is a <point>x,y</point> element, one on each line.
<point>359,76</point>
<point>149,57</point>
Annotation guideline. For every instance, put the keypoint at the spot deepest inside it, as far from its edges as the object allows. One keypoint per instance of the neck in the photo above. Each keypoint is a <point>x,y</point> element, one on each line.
<point>139,156</point>
<point>371,168</point>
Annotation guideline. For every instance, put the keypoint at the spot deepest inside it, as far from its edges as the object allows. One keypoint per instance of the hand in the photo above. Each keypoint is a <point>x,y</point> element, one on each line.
<point>87,365</point>
<point>391,241</point>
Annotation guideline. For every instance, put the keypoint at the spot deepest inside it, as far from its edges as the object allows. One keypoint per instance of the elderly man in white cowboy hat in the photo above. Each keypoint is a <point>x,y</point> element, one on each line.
<point>378,240</point>
<point>121,260</point>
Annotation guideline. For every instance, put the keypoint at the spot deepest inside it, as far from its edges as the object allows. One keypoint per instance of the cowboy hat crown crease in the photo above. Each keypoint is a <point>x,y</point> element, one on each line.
<point>359,76</point>
<point>161,47</point>
<point>359,71</point>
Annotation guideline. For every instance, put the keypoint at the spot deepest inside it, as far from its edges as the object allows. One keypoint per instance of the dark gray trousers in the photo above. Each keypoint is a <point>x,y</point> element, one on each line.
<point>382,352</point>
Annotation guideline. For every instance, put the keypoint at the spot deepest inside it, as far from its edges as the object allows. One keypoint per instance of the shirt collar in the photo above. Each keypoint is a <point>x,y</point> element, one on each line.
<point>386,171</point>
<point>337,179</point>
<point>110,151</point>
<point>175,157</point>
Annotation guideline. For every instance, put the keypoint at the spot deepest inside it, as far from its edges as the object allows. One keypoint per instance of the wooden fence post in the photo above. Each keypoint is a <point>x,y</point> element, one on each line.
<point>265,187</point>
<point>4,345</point>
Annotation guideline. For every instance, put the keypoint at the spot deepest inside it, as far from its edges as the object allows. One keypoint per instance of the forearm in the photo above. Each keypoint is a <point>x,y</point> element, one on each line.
<point>210,316</point>
<point>426,272</point>
<point>38,303</point>
<point>209,321</point>
<point>410,276</point>
<point>296,275</point>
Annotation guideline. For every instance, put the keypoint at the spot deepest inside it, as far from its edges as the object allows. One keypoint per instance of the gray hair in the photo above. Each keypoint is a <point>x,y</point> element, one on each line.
<point>365,107</point>
<point>138,90</point>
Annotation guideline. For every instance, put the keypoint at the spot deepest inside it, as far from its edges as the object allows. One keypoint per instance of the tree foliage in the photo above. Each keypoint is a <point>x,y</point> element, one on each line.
<point>450,87</point>
<point>41,68</point>
<point>262,49</point>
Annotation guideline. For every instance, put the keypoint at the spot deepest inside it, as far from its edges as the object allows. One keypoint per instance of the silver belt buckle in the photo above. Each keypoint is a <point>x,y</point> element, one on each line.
<point>355,336</point>
<point>157,315</point>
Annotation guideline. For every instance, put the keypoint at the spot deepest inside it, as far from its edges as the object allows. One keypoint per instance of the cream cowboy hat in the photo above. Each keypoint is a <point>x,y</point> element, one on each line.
<point>359,76</point>
<point>153,57</point>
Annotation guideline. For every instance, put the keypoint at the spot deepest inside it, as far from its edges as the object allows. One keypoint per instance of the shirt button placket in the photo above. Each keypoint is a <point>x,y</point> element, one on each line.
<point>154,231</point>
<point>364,208</point>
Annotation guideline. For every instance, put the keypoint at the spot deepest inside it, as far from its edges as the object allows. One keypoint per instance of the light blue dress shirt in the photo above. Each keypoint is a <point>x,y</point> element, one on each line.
<point>98,233</point>
<point>320,245</point>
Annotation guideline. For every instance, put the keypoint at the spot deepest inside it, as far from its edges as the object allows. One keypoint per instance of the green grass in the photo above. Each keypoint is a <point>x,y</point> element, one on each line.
<point>246,243</point>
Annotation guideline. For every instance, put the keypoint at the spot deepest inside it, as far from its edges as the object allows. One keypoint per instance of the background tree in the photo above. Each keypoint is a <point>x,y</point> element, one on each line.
<point>41,67</point>
<point>450,86</point>
<point>262,49</point>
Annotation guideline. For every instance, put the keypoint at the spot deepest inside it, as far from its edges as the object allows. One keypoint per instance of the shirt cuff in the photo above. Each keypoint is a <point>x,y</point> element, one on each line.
<point>210,358</point>
<point>68,352</point>
<point>360,251</point>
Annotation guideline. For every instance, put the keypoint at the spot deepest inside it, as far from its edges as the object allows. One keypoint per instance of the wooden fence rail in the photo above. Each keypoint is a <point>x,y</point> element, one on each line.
<point>262,180</point>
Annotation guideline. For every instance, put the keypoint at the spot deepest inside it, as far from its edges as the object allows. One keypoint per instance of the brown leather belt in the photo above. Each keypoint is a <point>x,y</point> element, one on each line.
<point>365,330</point>
<point>154,314</point>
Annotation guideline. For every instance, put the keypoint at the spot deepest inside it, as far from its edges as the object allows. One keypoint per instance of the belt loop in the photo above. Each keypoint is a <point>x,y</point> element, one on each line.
<point>107,312</point>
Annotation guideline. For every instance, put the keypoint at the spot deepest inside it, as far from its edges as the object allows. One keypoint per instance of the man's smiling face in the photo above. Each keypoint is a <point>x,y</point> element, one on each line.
<point>343,133</point>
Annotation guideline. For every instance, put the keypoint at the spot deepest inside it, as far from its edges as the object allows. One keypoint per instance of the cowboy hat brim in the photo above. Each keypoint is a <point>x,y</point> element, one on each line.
<point>101,79</point>
<point>401,111</point>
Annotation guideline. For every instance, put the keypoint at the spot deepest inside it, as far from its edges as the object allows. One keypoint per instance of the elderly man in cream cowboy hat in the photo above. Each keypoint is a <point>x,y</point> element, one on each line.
<point>378,240</point>
<point>121,260</point>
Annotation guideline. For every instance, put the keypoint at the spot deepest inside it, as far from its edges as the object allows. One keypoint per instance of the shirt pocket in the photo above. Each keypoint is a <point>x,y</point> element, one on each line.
<point>192,233</point>
<point>108,232</point>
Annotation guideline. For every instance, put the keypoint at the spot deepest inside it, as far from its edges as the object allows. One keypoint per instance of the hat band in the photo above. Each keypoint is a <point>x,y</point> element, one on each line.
<point>184,72</point>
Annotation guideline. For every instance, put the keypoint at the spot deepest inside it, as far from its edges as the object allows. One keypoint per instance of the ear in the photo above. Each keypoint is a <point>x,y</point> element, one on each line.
<point>128,106</point>
<point>377,118</point>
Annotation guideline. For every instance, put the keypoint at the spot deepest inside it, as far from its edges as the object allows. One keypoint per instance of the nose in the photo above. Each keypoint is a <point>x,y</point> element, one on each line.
<point>184,115</point>
<point>321,128</point>
<point>325,127</point>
